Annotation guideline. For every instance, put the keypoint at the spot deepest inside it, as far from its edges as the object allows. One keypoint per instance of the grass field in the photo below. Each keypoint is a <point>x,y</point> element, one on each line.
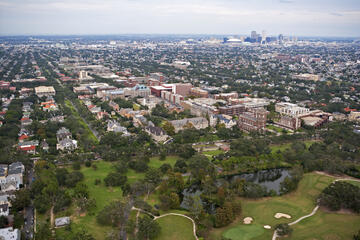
<point>283,147</point>
<point>277,129</point>
<point>81,121</point>
<point>175,228</point>
<point>104,195</point>
<point>297,204</point>
<point>246,232</point>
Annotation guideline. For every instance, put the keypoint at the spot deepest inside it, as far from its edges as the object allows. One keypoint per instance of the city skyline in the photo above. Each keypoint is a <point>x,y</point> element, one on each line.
<point>290,17</point>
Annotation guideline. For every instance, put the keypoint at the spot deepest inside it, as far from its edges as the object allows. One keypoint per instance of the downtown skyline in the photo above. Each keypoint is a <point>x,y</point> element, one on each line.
<point>290,17</point>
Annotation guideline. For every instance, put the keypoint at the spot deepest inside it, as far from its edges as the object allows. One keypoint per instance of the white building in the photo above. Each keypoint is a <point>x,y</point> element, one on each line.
<point>290,109</point>
<point>46,91</point>
<point>10,234</point>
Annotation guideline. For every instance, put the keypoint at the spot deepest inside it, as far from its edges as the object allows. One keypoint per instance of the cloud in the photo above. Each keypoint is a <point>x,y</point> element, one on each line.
<point>286,1</point>
<point>336,14</point>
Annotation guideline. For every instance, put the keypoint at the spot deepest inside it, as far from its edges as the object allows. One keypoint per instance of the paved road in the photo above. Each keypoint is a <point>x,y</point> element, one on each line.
<point>29,212</point>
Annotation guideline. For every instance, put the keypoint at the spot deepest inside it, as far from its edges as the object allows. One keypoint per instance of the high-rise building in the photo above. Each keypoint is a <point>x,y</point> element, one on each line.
<point>263,36</point>
<point>254,35</point>
<point>281,38</point>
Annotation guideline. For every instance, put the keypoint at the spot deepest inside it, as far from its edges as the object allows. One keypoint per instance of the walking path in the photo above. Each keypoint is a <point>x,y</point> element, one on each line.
<point>170,214</point>
<point>275,235</point>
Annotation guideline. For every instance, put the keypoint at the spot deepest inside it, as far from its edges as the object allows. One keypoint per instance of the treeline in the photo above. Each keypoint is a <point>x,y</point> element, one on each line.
<point>341,195</point>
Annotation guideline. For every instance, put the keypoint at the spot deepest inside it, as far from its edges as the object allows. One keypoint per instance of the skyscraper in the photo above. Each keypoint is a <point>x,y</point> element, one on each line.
<point>253,35</point>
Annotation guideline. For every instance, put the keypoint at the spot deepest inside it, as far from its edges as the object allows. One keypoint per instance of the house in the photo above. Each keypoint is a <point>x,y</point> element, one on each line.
<point>10,234</point>
<point>63,133</point>
<point>197,122</point>
<point>101,115</point>
<point>11,177</point>
<point>66,144</point>
<point>158,134</point>
<point>94,109</point>
<point>226,120</point>
<point>57,119</point>
<point>25,121</point>
<point>4,209</point>
<point>114,126</point>
<point>23,137</point>
<point>44,145</point>
<point>61,222</point>
<point>28,146</point>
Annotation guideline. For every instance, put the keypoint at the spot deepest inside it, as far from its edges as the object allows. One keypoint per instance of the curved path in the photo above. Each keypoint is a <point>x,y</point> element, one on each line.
<point>170,214</point>
<point>275,235</point>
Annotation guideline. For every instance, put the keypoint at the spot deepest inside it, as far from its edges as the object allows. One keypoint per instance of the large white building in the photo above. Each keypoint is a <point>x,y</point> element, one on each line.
<point>10,234</point>
<point>290,109</point>
<point>46,91</point>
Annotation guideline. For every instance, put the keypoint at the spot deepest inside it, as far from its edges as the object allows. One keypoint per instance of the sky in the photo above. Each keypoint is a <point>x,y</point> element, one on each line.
<point>226,17</point>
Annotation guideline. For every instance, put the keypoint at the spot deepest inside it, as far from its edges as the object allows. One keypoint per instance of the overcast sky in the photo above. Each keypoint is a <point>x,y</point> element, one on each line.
<point>290,17</point>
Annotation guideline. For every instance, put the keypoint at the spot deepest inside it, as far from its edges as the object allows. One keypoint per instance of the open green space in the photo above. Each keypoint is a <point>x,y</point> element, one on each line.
<point>327,226</point>
<point>175,228</point>
<point>277,129</point>
<point>283,147</point>
<point>104,195</point>
<point>80,120</point>
<point>245,232</point>
<point>297,204</point>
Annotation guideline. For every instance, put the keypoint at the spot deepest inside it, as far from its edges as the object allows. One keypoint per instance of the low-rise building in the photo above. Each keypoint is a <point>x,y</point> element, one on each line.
<point>226,120</point>
<point>46,91</point>
<point>198,123</point>
<point>10,234</point>
<point>157,133</point>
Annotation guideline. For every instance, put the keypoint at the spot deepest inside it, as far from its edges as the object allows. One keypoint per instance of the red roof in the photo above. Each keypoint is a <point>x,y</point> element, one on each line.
<point>28,148</point>
<point>349,110</point>
<point>23,119</point>
<point>24,136</point>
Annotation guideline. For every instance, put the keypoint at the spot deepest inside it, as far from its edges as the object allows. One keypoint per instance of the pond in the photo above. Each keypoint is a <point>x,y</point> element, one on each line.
<point>269,179</point>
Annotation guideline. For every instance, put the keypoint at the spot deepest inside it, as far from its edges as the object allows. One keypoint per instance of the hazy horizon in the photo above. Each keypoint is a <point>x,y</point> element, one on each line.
<point>317,18</point>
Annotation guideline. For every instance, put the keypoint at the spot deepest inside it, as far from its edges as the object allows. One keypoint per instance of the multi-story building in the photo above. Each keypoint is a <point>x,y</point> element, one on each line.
<point>290,109</point>
<point>46,91</point>
<point>198,92</point>
<point>171,97</point>
<point>198,123</point>
<point>137,91</point>
<point>232,109</point>
<point>226,96</point>
<point>289,122</point>
<point>253,120</point>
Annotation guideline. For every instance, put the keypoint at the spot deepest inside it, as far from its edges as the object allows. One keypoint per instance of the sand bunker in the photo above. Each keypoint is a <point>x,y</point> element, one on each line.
<point>267,227</point>
<point>282,215</point>
<point>248,220</point>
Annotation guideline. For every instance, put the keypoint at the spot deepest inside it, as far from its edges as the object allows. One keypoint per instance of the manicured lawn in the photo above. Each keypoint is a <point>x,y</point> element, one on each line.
<point>276,129</point>
<point>175,228</point>
<point>245,232</point>
<point>296,204</point>
<point>327,226</point>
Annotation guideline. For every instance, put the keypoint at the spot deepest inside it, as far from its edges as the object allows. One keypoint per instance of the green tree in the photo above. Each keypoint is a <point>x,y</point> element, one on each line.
<point>148,228</point>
